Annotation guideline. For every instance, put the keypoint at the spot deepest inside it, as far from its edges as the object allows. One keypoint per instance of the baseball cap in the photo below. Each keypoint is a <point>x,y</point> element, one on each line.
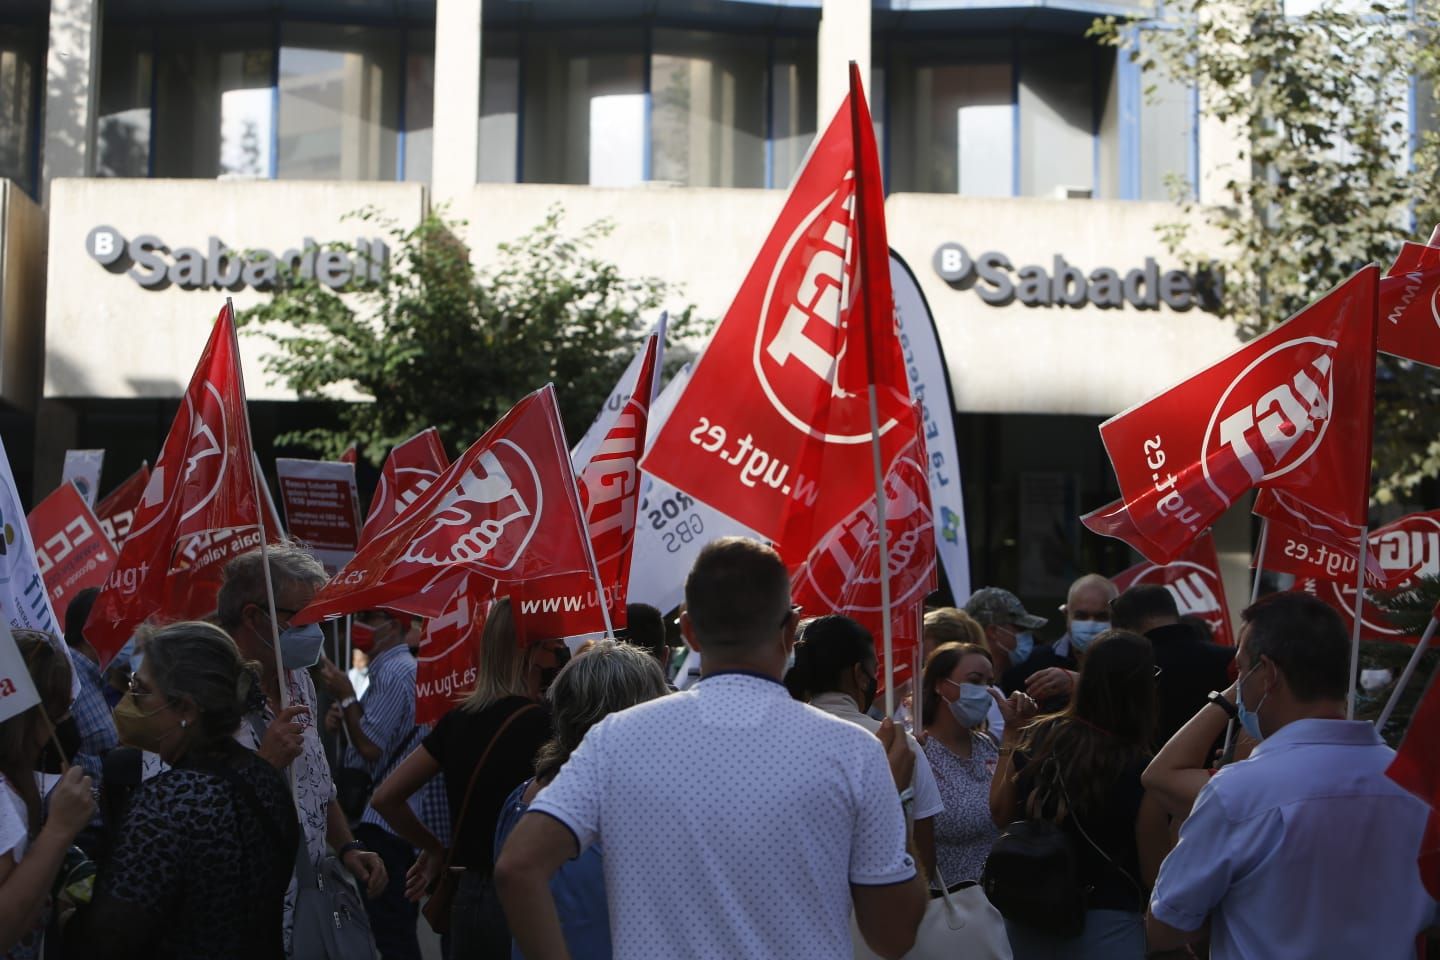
<point>994,605</point>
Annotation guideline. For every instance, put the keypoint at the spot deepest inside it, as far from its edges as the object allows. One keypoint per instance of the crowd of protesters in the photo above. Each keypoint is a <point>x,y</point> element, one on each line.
<point>1070,799</point>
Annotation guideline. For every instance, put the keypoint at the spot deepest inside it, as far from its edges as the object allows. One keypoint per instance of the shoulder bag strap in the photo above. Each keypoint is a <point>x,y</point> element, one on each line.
<point>474,777</point>
<point>1070,809</point>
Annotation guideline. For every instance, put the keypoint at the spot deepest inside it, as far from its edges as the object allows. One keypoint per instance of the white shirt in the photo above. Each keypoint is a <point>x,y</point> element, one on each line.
<point>758,808</point>
<point>14,822</point>
<point>1305,850</point>
<point>927,792</point>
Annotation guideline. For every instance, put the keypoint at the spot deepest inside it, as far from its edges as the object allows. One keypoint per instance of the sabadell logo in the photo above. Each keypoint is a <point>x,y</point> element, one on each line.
<point>154,265</point>
<point>997,281</point>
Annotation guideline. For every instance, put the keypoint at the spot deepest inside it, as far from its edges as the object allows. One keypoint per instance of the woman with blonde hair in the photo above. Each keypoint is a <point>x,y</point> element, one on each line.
<point>503,722</point>
<point>951,625</point>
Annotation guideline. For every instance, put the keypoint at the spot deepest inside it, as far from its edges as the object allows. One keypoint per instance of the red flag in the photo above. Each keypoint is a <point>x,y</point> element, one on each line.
<point>116,512</point>
<point>1194,580</point>
<point>72,551</point>
<point>1291,411</point>
<point>1410,303</point>
<point>506,510</point>
<point>199,509</point>
<point>1405,551</point>
<point>1294,544</point>
<point>774,428</point>
<point>351,455</point>
<point>408,472</point>
<point>609,487</point>
<point>1416,767</point>
<point>446,666</point>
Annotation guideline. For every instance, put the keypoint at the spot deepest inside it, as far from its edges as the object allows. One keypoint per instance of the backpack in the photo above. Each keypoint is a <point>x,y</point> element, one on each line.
<point>1032,877</point>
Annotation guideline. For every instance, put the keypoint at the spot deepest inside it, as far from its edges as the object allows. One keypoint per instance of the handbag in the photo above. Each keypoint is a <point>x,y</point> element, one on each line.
<point>959,923</point>
<point>442,897</point>
<point>1032,877</point>
<point>330,917</point>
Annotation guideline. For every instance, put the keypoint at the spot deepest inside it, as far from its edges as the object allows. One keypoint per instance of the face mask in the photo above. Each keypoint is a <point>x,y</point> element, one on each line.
<point>867,695</point>
<point>1082,632</point>
<point>136,728</point>
<point>972,706</point>
<point>1249,719</point>
<point>300,646</point>
<point>362,636</point>
<point>67,731</point>
<point>548,674</point>
<point>1024,646</point>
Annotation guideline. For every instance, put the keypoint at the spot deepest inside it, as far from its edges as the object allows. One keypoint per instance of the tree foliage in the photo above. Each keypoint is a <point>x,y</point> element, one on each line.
<point>438,342</point>
<point>1330,175</point>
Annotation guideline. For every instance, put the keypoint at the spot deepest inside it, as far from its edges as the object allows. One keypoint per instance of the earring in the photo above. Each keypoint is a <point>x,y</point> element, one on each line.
<point>184,724</point>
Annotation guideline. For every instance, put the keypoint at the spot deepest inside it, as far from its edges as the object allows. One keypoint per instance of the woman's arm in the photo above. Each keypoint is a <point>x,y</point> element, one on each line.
<point>1152,837</point>
<point>25,885</point>
<point>1178,772</point>
<point>390,799</point>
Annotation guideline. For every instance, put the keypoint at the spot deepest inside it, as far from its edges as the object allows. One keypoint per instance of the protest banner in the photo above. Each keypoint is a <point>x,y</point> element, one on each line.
<point>446,666</point>
<point>408,472</point>
<point>1410,303</point>
<point>116,512</point>
<point>71,550</point>
<point>82,468</point>
<point>17,690</point>
<point>24,600</point>
<point>322,508</point>
<point>620,395</point>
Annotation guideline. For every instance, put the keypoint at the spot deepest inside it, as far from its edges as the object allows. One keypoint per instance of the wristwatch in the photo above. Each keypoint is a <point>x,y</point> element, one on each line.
<point>1218,698</point>
<point>352,845</point>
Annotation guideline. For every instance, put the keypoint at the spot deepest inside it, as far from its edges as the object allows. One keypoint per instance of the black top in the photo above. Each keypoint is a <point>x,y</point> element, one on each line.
<point>457,742</point>
<point>1041,657</point>
<point>194,872</point>
<point>1190,667</point>
<point>1114,885</point>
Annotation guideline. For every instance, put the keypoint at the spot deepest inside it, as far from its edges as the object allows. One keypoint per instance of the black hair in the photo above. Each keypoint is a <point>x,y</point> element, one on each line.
<point>1148,601</point>
<point>77,613</point>
<point>826,648</point>
<point>645,628</point>
<point>1306,640</point>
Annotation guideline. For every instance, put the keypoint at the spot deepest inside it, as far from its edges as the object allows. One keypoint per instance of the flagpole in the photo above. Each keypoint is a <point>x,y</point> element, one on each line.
<point>1260,558</point>
<point>1409,670</point>
<point>600,597</point>
<point>1355,633</point>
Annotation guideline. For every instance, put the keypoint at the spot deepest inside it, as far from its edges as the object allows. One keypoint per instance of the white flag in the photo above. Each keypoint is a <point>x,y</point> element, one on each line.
<point>24,601</point>
<point>17,690</point>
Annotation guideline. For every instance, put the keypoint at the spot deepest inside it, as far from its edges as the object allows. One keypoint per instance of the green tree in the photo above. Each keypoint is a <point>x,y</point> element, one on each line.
<point>437,342</point>
<point>1329,180</point>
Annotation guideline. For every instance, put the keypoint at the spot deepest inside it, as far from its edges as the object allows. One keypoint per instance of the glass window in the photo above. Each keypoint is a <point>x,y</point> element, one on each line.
<point>339,103</point>
<point>1057,117</point>
<point>1166,133</point>
<point>792,106</point>
<point>213,92</point>
<point>122,131</point>
<point>19,69</point>
<point>708,123</point>
<point>585,107</point>
<point>499,107</point>
<point>420,106</point>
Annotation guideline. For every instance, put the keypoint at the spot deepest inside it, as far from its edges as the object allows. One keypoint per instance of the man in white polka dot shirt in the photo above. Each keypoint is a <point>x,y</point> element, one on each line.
<point>734,821</point>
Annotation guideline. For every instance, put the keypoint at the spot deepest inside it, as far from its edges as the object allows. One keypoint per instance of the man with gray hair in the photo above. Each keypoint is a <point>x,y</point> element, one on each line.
<point>782,818</point>
<point>288,738</point>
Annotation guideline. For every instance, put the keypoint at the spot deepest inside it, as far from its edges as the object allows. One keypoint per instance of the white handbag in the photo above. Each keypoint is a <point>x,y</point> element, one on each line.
<point>962,924</point>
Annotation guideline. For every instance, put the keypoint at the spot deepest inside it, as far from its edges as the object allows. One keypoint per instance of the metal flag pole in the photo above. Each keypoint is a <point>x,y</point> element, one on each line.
<point>1226,751</point>
<point>1410,666</point>
<point>600,597</point>
<point>1355,633</point>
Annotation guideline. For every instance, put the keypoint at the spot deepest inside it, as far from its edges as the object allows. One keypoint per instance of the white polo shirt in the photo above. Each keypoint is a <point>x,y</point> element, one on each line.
<point>1304,850</point>
<point>753,809</point>
<point>927,792</point>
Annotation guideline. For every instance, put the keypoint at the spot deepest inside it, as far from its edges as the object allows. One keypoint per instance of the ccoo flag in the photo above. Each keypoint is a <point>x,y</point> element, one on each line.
<point>199,509</point>
<point>1291,411</point>
<point>506,510</point>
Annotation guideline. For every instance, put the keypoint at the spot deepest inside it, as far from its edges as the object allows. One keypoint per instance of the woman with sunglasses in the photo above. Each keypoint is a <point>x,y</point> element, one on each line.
<point>1080,769</point>
<point>201,863</point>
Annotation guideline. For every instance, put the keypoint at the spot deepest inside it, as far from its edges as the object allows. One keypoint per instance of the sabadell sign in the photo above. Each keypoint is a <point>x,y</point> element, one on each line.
<point>997,281</point>
<point>153,264</point>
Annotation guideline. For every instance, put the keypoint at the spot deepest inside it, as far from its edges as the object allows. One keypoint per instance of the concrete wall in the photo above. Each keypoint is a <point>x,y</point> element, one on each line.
<point>22,296</point>
<point>107,336</point>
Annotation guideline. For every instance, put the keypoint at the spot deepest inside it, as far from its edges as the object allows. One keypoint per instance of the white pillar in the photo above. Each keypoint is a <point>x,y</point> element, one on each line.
<point>844,36</point>
<point>457,98</point>
<point>72,78</point>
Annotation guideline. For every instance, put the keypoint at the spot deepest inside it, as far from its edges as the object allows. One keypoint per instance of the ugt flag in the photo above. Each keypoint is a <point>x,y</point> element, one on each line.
<point>1291,411</point>
<point>447,664</point>
<point>199,509</point>
<point>775,427</point>
<point>1194,580</point>
<point>506,510</point>
<point>1410,303</point>
<point>408,472</point>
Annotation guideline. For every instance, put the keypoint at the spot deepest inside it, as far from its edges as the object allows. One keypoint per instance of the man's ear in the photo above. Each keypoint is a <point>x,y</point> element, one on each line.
<point>687,630</point>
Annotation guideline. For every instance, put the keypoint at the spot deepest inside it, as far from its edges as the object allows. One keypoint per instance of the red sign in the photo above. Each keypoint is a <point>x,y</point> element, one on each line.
<point>199,509</point>
<point>506,510</point>
<point>1291,411</point>
<point>446,667</point>
<point>72,551</point>
<point>408,472</point>
<point>322,508</point>
<point>117,511</point>
<point>1195,582</point>
<point>1410,303</point>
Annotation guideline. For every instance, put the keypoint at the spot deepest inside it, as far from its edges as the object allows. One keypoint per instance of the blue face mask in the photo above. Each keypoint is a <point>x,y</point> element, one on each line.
<point>972,706</point>
<point>1249,719</point>
<point>1024,646</point>
<point>300,646</point>
<point>1083,632</point>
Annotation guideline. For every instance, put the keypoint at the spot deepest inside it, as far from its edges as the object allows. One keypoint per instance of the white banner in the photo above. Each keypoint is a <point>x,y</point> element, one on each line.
<point>930,385</point>
<point>671,526</point>
<point>17,690</point>
<point>24,602</point>
<point>581,453</point>
<point>82,468</point>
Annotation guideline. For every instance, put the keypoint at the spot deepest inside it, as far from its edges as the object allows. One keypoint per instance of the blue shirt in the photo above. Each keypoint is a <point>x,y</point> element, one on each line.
<point>1305,850</point>
<point>92,718</point>
<point>388,720</point>
<point>578,888</point>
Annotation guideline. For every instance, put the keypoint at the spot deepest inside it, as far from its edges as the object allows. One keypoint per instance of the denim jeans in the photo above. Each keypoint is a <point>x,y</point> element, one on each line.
<point>477,921</point>
<point>1108,935</point>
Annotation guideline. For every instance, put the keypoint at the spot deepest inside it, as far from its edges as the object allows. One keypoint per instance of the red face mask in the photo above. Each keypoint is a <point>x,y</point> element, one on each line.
<point>362,636</point>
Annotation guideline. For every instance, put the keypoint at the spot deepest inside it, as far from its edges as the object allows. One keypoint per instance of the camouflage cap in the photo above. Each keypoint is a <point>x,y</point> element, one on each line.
<point>993,605</point>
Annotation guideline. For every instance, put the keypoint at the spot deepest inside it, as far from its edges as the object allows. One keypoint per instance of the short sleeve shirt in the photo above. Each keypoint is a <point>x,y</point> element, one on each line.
<point>15,840</point>
<point>314,787</point>
<point>964,832</point>
<point>773,810</point>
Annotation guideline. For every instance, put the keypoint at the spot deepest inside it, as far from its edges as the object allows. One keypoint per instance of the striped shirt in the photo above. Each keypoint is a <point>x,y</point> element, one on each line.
<point>388,721</point>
